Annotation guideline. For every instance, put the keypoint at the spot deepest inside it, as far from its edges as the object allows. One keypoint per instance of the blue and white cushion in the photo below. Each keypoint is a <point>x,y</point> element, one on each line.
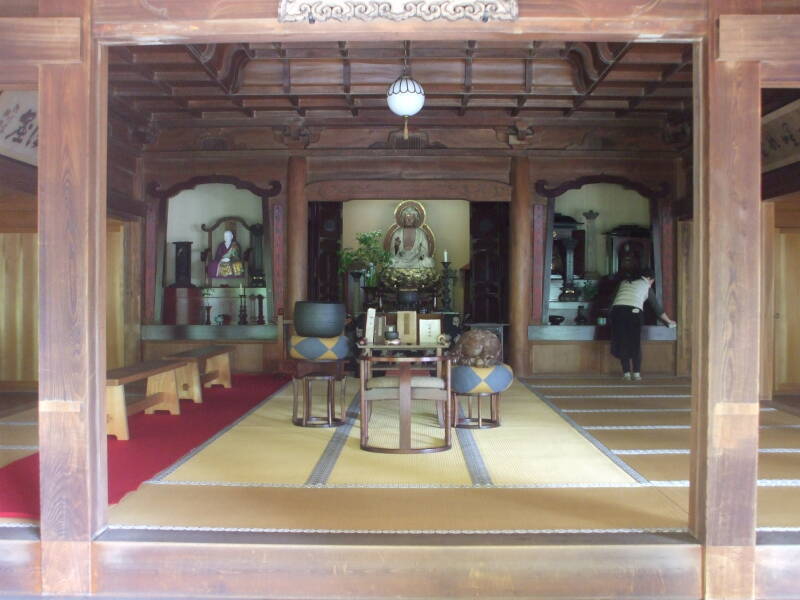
<point>481,380</point>
<point>315,348</point>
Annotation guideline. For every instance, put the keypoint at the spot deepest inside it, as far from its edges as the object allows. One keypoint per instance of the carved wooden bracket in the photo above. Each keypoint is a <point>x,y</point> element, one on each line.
<point>154,189</point>
<point>296,136</point>
<point>554,192</point>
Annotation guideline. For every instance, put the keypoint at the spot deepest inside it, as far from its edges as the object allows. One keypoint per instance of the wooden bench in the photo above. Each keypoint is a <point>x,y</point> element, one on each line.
<point>162,393</point>
<point>206,366</point>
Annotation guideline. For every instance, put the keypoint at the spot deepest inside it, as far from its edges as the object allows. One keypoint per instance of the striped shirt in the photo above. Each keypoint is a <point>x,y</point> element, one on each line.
<point>635,293</point>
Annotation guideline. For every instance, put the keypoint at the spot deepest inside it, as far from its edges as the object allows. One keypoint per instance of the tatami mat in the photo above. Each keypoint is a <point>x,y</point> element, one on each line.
<point>660,467</point>
<point>779,466</point>
<point>446,510</point>
<point>779,438</point>
<point>535,445</point>
<point>19,435</point>
<point>581,381</point>
<point>778,417</point>
<point>631,418</point>
<point>778,506</point>
<point>356,467</point>
<point>29,415</point>
<point>643,439</point>
<point>616,402</point>
<point>9,456</point>
<point>263,448</point>
<point>630,390</point>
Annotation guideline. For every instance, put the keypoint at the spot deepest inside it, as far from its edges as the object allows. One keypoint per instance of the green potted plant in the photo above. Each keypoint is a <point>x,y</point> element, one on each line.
<point>589,291</point>
<point>369,256</point>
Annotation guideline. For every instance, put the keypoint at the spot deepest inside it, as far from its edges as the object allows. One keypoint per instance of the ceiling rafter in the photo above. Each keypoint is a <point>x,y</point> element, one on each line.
<point>343,80</point>
<point>469,51</point>
<point>147,73</point>
<point>344,52</point>
<point>528,74</point>
<point>686,60</point>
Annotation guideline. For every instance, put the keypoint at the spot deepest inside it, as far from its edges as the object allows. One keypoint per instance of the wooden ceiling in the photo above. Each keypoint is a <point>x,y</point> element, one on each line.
<point>345,83</point>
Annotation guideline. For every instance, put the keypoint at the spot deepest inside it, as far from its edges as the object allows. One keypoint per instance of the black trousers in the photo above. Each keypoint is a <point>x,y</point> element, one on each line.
<point>626,337</point>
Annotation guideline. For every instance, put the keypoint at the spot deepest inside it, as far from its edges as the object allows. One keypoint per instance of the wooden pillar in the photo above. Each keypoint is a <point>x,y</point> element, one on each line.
<point>297,237</point>
<point>726,316</point>
<point>538,260</point>
<point>155,236</point>
<point>685,293</point>
<point>519,284</point>
<point>767,338</point>
<point>133,259</point>
<point>72,308</point>
<point>666,221</point>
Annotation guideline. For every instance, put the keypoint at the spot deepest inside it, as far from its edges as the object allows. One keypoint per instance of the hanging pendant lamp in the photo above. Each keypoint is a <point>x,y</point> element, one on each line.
<point>405,98</point>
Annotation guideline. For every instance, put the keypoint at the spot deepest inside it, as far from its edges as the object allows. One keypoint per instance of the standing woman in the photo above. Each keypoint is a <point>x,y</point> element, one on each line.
<point>626,321</point>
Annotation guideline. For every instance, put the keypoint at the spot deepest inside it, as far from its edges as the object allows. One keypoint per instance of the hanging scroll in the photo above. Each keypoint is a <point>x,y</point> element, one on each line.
<point>19,128</point>
<point>780,137</point>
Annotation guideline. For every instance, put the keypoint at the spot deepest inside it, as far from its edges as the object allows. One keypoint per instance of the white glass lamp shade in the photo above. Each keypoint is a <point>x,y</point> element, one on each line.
<point>405,97</point>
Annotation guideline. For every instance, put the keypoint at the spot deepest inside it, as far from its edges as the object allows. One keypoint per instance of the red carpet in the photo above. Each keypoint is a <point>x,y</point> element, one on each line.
<point>156,442</point>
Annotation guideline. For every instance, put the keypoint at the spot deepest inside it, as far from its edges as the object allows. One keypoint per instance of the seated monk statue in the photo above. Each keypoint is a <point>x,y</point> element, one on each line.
<point>408,246</point>
<point>227,261</point>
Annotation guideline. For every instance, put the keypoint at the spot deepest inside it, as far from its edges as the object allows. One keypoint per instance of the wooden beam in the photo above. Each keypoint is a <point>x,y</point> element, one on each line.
<point>371,566</point>
<point>40,40</point>
<point>780,74</point>
<point>389,189</point>
<point>20,562</point>
<point>520,246</point>
<point>777,568</point>
<point>726,321</point>
<point>759,37</point>
<point>19,77</point>
<point>203,28</point>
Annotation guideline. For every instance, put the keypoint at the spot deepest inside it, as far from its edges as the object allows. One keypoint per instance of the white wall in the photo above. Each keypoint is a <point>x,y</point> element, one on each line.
<point>615,205</point>
<point>448,219</point>
<point>204,205</point>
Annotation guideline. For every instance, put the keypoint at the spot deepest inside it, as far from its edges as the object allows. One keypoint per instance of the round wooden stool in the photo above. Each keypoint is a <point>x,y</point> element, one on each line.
<point>317,359</point>
<point>478,383</point>
<point>302,414</point>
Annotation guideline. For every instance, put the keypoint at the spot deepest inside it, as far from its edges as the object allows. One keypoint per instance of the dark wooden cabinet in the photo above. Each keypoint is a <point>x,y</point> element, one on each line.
<point>324,241</point>
<point>183,306</point>
<point>488,273</point>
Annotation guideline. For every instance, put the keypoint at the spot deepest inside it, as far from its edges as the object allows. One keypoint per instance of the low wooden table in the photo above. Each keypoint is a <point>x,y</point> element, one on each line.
<point>205,366</point>
<point>162,393</point>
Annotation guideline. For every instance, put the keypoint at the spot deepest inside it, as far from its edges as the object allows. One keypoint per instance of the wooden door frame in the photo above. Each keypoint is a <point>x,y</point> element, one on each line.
<point>74,555</point>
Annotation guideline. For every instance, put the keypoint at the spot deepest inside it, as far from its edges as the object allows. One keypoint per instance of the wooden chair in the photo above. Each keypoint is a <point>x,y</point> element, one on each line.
<point>405,388</point>
<point>162,393</point>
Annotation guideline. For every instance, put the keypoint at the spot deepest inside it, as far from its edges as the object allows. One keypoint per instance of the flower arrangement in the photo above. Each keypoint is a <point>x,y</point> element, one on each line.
<point>369,256</point>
